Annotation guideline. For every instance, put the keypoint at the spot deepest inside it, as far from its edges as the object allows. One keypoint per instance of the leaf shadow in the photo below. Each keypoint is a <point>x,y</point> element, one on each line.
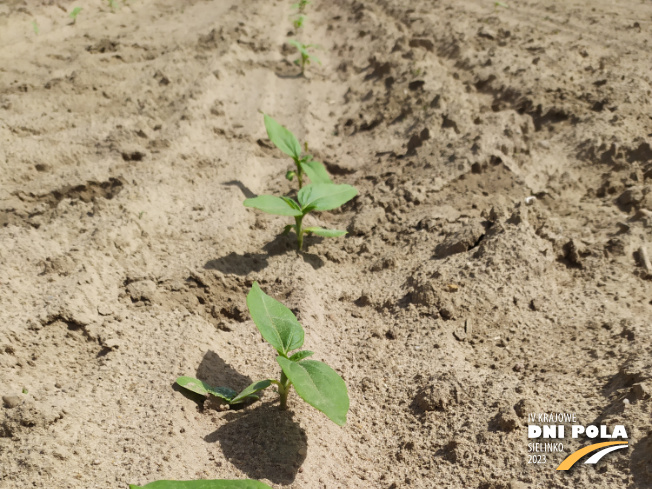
<point>216,372</point>
<point>243,188</point>
<point>641,462</point>
<point>263,442</point>
<point>244,264</point>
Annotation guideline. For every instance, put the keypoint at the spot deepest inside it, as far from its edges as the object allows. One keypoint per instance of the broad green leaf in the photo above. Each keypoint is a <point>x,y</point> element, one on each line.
<point>275,322</point>
<point>252,389</point>
<point>316,172</point>
<point>204,484</point>
<point>299,45</point>
<point>282,138</point>
<point>318,385</point>
<point>326,233</point>
<point>272,205</point>
<point>300,355</point>
<point>325,196</point>
<point>291,202</point>
<point>202,388</point>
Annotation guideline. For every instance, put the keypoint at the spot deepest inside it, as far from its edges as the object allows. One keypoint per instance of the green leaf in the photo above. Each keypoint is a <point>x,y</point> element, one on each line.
<point>274,205</point>
<point>282,138</point>
<point>300,355</point>
<point>318,385</point>
<point>204,484</point>
<point>326,233</point>
<point>202,388</point>
<point>316,172</point>
<point>291,202</point>
<point>325,196</point>
<point>290,174</point>
<point>252,389</point>
<point>275,322</point>
<point>287,229</point>
<point>301,47</point>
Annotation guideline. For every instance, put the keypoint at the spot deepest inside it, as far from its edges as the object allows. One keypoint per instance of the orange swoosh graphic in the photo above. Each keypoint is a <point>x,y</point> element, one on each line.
<point>575,456</point>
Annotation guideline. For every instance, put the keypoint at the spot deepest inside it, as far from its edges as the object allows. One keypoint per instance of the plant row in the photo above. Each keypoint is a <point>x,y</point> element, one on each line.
<point>315,382</point>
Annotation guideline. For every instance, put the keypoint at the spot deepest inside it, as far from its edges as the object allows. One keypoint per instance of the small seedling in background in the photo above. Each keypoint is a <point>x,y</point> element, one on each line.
<point>500,4</point>
<point>75,12</point>
<point>204,484</point>
<point>298,22</point>
<point>314,197</point>
<point>25,391</point>
<point>113,4</point>
<point>287,142</point>
<point>35,27</point>
<point>305,57</point>
<point>225,394</point>
<point>300,6</point>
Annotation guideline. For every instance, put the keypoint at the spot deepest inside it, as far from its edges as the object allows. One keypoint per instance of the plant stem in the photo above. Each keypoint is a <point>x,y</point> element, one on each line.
<point>284,390</point>
<point>299,230</point>
<point>299,174</point>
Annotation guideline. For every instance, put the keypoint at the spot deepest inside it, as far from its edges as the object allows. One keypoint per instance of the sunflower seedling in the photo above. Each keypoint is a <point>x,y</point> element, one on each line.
<point>287,142</point>
<point>305,58</point>
<point>204,484</point>
<point>225,394</point>
<point>314,197</point>
<point>74,13</point>
<point>298,22</point>
<point>315,382</point>
<point>301,5</point>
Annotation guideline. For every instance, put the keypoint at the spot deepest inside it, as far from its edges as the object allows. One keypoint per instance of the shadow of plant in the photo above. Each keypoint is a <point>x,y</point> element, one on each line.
<point>641,462</point>
<point>216,372</point>
<point>244,264</point>
<point>243,188</point>
<point>263,442</point>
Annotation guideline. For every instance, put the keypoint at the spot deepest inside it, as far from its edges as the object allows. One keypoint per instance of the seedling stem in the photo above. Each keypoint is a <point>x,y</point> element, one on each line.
<point>299,174</point>
<point>284,390</point>
<point>299,230</point>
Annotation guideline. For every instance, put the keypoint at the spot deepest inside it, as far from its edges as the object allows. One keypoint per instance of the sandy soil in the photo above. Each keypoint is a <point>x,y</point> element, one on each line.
<point>452,309</point>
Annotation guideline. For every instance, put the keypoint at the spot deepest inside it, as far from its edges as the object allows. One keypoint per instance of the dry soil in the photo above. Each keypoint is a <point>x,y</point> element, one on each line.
<point>495,264</point>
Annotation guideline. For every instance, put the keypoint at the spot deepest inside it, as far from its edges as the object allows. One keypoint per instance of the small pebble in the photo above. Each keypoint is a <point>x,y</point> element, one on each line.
<point>11,401</point>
